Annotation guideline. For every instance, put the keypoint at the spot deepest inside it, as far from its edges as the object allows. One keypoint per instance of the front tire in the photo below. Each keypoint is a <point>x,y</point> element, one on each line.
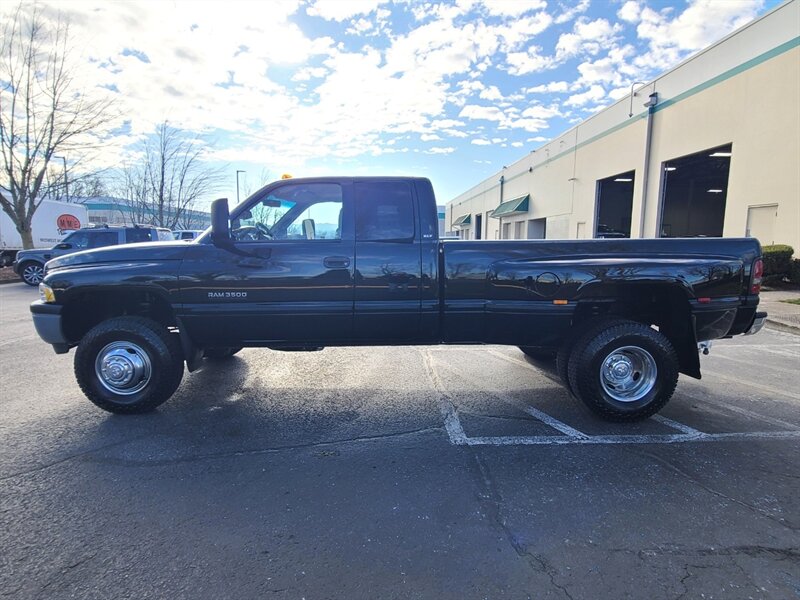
<point>129,365</point>
<point>31,272</point>
<point>625,371</point>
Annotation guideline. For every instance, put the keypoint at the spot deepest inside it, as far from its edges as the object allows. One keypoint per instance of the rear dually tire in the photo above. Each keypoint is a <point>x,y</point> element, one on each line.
<point>623,370</point>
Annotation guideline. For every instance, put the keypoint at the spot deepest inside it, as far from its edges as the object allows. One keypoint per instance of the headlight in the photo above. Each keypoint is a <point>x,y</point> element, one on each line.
<point>46,293</point>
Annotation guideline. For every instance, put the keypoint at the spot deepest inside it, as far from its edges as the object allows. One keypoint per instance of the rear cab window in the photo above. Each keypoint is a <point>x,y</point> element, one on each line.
<point>384,211</point>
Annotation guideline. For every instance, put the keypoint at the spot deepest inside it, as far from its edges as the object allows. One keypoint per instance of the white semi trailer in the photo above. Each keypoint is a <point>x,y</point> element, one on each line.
<point>51,222</point>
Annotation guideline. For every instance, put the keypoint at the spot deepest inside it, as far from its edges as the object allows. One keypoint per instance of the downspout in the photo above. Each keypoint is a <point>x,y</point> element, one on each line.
<point>651,109</point>
<point>500,220</point>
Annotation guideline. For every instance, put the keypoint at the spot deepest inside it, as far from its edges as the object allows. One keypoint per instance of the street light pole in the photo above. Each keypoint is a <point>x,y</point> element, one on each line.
<point>237,184</point>
<point>66,183</point>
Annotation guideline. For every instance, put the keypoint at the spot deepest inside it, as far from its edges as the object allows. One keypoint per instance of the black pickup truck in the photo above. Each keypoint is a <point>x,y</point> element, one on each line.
<point>345,261</point>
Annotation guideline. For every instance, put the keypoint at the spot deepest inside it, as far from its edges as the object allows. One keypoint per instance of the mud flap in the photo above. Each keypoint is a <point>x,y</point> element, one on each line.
<point>192,354</point>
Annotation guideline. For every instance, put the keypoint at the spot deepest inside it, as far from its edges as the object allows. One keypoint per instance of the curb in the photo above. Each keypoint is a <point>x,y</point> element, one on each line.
<point>782,326</point>
<point>4,281</point>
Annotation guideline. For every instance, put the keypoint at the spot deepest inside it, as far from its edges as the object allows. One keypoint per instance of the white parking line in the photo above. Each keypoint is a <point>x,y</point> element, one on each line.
<point>458,436</point>
<point>555,423</point>
<point>554,440</point>
<point>676,425</point>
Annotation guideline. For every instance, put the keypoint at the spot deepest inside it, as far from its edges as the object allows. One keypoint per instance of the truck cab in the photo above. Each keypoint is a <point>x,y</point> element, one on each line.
<point>318,262</point>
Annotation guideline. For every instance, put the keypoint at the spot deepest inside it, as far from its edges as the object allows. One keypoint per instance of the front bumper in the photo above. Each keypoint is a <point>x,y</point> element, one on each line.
<point>47,321</point>
<point>758,323</point>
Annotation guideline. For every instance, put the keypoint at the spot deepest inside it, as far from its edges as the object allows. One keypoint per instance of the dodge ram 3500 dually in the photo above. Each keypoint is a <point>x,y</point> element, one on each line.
<point>356,261</point>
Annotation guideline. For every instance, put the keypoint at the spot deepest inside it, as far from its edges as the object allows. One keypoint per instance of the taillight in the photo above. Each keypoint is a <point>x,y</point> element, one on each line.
<point>758,275</point>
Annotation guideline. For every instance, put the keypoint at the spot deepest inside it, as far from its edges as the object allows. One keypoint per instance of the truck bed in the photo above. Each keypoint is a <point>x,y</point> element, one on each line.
<point>528,292</point>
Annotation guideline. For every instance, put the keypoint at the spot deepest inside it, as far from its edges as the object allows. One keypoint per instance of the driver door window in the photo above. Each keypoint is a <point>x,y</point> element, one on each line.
<point>307,211</point>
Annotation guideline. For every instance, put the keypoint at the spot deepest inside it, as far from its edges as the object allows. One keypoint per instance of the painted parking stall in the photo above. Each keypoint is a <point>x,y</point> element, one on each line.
<point>686,428</point>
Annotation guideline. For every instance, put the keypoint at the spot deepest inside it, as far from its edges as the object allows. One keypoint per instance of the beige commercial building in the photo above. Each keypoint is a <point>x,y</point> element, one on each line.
<point>710,148</point>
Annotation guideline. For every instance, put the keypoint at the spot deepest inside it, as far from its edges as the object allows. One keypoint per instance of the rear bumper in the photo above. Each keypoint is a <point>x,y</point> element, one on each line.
<point>724,317</point>
<point>758,323</point>
<point>47,321</point>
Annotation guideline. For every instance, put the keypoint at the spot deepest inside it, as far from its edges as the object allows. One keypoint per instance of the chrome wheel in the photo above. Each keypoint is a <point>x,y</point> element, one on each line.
<point>628,373</point>
<point>123,368</point>
<point>33,274</point>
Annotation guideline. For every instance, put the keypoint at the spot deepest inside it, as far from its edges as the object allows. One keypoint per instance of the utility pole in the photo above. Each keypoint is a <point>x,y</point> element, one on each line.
<point>66,183</point>
<point>237,184</point>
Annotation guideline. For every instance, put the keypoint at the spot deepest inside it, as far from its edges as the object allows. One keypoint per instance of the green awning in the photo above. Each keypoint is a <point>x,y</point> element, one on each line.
<point>463,221</point>
<point>517,206</point>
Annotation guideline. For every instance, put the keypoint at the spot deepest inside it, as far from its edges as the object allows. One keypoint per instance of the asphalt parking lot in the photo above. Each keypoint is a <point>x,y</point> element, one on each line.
<point>423,472</point>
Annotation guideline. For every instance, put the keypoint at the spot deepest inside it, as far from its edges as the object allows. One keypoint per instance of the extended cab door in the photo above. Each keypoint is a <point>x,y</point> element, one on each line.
<point>286,279</point>
<point>388,267</point>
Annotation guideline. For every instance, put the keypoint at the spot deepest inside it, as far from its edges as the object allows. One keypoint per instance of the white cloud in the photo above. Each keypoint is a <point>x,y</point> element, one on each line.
<point>541,112</point>
<point>521,30</point>
<point>594,95</point>
<point>488,113</point>
<point>523,63</point>
<point>307,73</point>
<point>701,24</point>
<point>491,93</point>
<point>440,150</point>
<point>456,133</point>
<point>529,124</point>
<point>630,11</point>
<point>587,37</point>
<point>512,8</point>
<point>341,10</point>
<point>429,137</point>
<point>480,142</point>
<point>612,69</point>
<point>517,144</point>
<point>444,123</point>
<point>570,13</point>
<point>548,88</point>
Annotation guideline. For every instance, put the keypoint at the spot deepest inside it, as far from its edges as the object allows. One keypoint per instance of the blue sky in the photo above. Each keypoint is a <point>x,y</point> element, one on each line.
<point>451,91</point>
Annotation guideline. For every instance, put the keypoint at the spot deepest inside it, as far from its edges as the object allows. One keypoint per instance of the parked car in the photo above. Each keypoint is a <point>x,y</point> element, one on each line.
<point>30,263</point>
<point>186,234</point>
<point>52,221</point>
<point>346,261</point>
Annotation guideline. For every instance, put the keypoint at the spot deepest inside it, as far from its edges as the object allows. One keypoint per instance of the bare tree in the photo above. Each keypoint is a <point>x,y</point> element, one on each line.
<point>42,113</point>
<point>249,186</point>
<point>87,186</point>
<point>163,187</point>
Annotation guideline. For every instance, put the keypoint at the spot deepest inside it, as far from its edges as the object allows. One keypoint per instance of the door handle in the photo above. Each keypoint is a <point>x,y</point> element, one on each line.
<point>336,262</point>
